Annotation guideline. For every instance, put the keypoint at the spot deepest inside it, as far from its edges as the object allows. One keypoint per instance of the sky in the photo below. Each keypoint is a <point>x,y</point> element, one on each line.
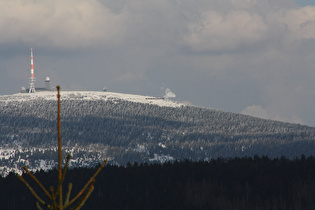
<point>246,56</point>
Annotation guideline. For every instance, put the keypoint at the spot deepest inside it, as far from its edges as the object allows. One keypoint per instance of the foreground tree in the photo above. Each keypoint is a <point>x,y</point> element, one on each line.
<point>53,194</point>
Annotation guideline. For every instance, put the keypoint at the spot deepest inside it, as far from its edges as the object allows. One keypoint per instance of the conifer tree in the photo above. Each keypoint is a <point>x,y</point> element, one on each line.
<point>54,194</point>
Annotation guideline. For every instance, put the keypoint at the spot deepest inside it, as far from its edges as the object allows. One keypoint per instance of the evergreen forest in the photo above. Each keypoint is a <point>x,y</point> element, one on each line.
<point>122,131</point>
<point>224,183</point>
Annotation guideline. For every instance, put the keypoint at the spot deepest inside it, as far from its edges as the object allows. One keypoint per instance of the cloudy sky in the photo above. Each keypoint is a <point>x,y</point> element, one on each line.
<point>246,56</point>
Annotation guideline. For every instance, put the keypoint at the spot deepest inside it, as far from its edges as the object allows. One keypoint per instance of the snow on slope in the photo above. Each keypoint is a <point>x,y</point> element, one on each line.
<point>90,95</point>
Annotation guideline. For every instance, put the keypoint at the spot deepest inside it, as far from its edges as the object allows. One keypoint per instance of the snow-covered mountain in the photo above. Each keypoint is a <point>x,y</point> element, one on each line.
<point>126,128</point>
<point>89,96</point>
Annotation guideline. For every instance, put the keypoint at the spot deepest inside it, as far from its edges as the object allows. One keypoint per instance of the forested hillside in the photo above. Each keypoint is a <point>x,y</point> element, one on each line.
<point>97,125</point>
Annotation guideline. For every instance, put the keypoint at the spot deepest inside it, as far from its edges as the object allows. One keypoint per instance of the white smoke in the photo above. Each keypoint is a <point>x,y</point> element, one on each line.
<point>169,94</point>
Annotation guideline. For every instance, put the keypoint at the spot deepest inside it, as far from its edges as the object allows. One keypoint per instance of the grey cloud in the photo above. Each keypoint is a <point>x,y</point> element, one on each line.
<point>221,54</point>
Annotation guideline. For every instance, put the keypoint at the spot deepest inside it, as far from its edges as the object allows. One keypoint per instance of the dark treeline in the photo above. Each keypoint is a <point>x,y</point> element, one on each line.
<point>239,183</point>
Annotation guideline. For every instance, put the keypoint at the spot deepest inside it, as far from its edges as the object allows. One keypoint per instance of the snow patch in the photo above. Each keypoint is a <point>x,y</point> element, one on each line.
<point>162,158</point>
<point>91,95</point>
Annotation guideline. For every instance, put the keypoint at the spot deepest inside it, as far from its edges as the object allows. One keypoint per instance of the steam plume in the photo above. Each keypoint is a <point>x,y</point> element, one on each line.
<point>169,94</point>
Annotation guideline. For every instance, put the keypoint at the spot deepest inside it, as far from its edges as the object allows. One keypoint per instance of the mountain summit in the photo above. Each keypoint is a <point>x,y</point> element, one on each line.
<point>127,128</point>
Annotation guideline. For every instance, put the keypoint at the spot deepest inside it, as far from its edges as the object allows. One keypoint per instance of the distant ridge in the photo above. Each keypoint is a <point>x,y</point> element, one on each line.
<point>90,95</point>
<point>127,128</point>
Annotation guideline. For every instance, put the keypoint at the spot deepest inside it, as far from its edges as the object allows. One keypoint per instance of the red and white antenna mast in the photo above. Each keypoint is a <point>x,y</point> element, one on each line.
<point>32,79</point>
